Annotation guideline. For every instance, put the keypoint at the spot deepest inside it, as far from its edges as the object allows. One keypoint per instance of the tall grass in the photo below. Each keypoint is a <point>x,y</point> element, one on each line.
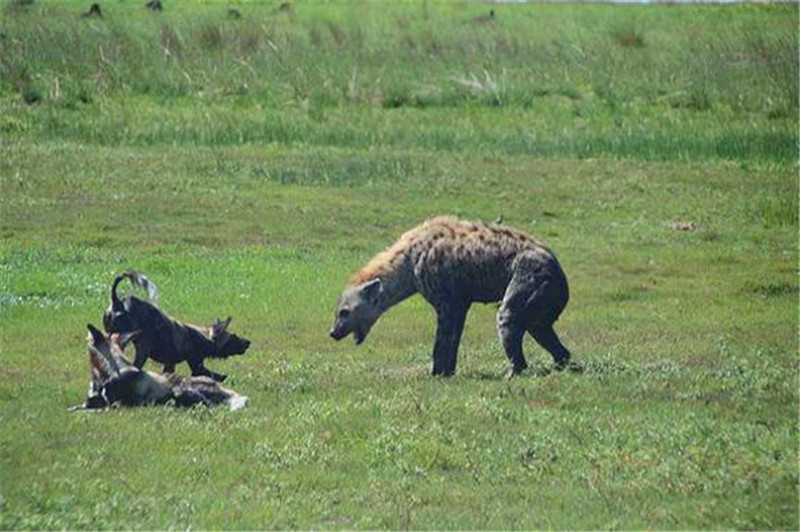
<point>642,82</point>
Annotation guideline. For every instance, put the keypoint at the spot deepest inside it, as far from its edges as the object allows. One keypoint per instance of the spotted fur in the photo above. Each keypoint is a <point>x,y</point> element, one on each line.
<point>453,263</point>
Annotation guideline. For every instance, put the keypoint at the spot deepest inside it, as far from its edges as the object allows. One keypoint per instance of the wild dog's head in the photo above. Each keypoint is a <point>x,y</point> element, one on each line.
<point>357,311</point>
<point>225,342</point>
<point>110,371</point>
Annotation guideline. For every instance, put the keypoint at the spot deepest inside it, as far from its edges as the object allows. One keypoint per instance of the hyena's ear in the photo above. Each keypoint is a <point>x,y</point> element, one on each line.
<point>372,290</point>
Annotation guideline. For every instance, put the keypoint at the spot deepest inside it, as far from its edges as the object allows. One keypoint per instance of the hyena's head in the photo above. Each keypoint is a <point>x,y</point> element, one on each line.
<point>226,343</point>
<point>357,311</point>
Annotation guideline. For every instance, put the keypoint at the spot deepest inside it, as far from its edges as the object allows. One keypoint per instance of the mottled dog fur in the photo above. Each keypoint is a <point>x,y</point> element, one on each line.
<point>116,382</point>
<point>454,263</point>
<point>165,339</point>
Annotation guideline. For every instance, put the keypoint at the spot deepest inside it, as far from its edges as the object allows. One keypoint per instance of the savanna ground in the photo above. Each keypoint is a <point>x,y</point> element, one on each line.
<point>248,164</point>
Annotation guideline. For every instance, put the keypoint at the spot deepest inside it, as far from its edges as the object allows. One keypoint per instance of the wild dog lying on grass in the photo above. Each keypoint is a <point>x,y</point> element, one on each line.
<point>116,382</point>
<point>454,263</point>
<point>165,339</point>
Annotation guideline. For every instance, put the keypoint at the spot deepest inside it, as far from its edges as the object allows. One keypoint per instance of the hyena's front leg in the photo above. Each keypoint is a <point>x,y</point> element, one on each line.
<point>449,326</point>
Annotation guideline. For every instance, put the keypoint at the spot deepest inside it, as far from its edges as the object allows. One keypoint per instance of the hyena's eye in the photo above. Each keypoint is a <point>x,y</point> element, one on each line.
<point>344,313</point>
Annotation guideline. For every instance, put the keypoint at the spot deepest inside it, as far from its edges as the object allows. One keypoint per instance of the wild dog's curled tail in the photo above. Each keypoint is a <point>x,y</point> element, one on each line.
<point>137,279</point>
<point>116,303</point>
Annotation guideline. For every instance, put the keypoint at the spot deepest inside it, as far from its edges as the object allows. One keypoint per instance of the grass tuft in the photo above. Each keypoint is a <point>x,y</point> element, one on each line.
<point>628,37</point>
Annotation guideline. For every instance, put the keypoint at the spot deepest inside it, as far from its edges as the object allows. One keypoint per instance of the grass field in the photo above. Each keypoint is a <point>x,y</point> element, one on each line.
<point>249,164</point>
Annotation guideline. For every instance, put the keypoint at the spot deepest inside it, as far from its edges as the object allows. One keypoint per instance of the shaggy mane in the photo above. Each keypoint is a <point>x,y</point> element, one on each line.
<point>384,262</point>
<point>388,261</point>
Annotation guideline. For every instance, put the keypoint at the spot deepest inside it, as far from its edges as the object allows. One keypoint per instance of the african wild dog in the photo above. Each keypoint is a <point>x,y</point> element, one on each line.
<point>116,382</point>
<point>165,339</point>
<point>454,263</point>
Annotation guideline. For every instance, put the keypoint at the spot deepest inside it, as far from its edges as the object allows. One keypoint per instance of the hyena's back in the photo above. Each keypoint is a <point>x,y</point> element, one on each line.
<point>472,259</point>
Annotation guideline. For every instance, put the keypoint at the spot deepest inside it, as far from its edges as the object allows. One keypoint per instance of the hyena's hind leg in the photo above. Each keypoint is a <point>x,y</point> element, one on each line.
<point>534,298</point>
<point>511,329</point>
<point>544,307</point>
<point>546,337</point>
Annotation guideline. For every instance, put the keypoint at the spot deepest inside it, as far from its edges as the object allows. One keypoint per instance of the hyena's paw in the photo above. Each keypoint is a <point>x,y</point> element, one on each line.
<point>562,364</point>
<point>575,367</point>
<point>513,371</point>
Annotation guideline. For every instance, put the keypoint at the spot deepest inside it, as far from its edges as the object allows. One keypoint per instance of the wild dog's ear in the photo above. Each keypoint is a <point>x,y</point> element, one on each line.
<point>98,338</point>
<point>220,326</point>
<point>99,368</point>
<point>372,290</point>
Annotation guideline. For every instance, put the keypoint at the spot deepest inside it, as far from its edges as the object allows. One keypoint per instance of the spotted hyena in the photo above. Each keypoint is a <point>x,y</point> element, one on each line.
<point>454,263</point>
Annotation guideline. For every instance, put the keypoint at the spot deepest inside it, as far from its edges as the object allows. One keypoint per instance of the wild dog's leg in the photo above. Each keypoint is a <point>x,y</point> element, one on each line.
<point>169,367</point>
<point>196,364</point>
<point>450,325</point>
<point>187,397</point>
<point>142,354</point>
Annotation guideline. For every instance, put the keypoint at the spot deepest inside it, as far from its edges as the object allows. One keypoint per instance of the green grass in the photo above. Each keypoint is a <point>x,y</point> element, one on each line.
<point>252,168</point>
<point>653,83</point>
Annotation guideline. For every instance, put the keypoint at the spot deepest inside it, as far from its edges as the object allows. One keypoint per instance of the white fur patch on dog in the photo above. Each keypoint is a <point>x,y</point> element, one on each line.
<point>237,402</point>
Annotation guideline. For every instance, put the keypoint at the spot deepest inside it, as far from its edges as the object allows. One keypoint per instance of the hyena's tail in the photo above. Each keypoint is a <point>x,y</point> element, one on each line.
<point>138,279</point>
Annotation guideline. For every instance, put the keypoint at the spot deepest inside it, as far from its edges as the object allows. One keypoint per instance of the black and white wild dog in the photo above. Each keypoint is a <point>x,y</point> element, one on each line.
<point>165,339</point>
<point>115,381</point>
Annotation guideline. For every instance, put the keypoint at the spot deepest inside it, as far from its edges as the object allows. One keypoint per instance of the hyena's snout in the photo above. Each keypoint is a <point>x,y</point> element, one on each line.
<point>338,331</point>
<point>342,329</point>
